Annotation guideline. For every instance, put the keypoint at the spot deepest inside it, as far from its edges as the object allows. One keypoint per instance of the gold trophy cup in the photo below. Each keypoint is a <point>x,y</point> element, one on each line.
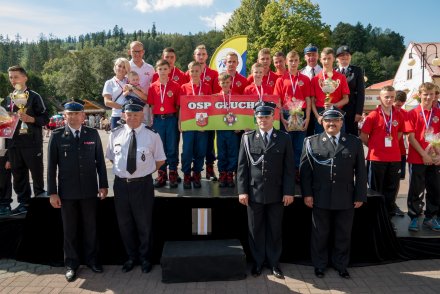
<point>20,97</point>
<point>328,86</point>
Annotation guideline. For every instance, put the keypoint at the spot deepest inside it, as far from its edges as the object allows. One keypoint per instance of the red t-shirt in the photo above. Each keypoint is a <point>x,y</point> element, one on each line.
<point>269,79</point>
<point>284,89</point>
<point>375,127</point>
<point>171,93</point>
<point>415,123</point>
<point>252,89</point>
<point>175,75</point>
<point>336,96</point>
<point>207,76</point>
<point>239,83</point>
<point>187,89</point>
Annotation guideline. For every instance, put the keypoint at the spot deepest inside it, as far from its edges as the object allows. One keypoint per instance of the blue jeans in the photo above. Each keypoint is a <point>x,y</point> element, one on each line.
<point>166,127</point>
<point>227,149</point>
<point>194,150</point>
<point>114,121</point>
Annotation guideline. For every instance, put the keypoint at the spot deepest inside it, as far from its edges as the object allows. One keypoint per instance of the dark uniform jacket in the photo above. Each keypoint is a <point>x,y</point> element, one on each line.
<point>34,107</point>
<point>337,186</point>
<point>77,163</point>
<point>356,84</point>
<point>274,177</point>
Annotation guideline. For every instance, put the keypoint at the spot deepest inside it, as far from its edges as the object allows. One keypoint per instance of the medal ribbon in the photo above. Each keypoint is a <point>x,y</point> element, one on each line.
<point>200,88</point>
<point>162,94</point>
<point>388,124</point>
<point>229,101</point>
<point>268,78</point>
<point>172,74</point>
<point>260,93</point>
<point>427,123</point>
<point>296,83</point>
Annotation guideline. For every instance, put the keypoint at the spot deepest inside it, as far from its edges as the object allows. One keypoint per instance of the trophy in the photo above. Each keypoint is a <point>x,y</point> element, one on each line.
<point>20,97</point>
<point>328,85</point>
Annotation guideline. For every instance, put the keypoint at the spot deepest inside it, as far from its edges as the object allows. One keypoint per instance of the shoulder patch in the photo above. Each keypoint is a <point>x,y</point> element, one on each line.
<point>117,128</point>
<point>151,129</point>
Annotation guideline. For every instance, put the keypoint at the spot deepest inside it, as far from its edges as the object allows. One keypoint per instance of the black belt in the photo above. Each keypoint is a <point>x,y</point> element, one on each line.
<point>164,116</point>
<point>128,180</point>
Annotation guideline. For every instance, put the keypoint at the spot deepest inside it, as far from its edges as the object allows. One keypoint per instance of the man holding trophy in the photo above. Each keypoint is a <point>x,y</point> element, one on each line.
<point>25,148</point>
<point>329,88</point>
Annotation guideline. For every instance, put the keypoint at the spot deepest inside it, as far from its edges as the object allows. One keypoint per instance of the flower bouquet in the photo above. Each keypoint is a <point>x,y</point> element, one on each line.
<point>8,123</point>
<point>295,121</point>
<point>433,149</point>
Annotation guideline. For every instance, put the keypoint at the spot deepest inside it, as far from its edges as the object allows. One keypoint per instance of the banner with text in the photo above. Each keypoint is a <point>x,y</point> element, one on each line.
<point>215,112</point>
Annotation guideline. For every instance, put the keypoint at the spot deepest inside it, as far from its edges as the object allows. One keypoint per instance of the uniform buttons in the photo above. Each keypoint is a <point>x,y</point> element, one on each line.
<point>334,174</point>
<point>265,170</point>
<point>334,165</point>
<point>334,182</point>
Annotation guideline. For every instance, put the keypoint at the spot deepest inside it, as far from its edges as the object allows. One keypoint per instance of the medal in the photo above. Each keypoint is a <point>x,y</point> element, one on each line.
<point>162,96</point>
<point>388,124</point>
<point>161,108</point>
<point>390,137</point>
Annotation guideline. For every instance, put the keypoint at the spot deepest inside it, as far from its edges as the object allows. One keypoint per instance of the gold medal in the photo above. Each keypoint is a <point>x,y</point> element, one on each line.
<point>161,108</point>
<point>390,137</point>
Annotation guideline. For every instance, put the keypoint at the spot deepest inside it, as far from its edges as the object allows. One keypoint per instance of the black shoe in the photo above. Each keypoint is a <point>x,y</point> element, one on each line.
<point>179,179</point>
<point>5,210</point>
<point>128,266</point>
<point>70,274</point>
<point>96,268</point>
<point>344,274</point>
<point>256,270</point>
<point>398,212</point>
<point>276,271</point>
<point>20,209</point>
<point>319,273</point>
<point>146,267</point>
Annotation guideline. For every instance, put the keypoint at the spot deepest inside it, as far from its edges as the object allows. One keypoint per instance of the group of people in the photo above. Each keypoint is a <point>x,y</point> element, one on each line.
<point>326,156</point>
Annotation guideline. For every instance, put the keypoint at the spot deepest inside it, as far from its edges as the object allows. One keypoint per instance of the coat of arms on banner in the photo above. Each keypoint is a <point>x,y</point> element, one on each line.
<point>201,119</point>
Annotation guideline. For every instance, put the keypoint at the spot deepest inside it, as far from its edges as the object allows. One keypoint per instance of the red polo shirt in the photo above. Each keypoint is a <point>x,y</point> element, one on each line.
<point>284,89</point>
<point>207,76</point>
<point>269,79</point>
<point>239,83</point>
<point>336,96</point>
<point>252,89</point>
<point>175,75</point>
<point>187,90</point>
<point>375,127</point>
<point>415,123</point>
<point>171,98</point>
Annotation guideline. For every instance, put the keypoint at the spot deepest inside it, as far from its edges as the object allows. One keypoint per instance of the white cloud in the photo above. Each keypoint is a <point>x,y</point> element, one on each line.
<point>218,20</point>
<point>159,5</point>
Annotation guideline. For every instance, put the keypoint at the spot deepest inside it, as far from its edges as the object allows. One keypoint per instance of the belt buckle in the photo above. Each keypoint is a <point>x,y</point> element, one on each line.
<point>163,116</point>
<point>128,180</point>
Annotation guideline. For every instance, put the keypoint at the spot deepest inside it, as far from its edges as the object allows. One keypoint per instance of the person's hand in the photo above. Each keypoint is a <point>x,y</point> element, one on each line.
<point>308,201</point>
<point>288,199</point>
<point>357,118</point>
<point>427,159</point>
<point>306,124</point>
<point>55,201</point>
<point>319,119</point>
<point>26,118</point>
<point>328,105</point>
<point>8,165</point>
<point>358,204</point>
<point>243,199</point>
<point>102,193</point>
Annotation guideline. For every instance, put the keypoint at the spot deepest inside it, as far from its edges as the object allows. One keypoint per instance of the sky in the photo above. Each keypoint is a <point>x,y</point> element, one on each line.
<point>62,18</point>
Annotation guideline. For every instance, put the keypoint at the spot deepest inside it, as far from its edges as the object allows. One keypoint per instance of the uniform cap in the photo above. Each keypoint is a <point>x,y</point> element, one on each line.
<point>264,108</point>
<point>332,112</point>
<point>73,105</point>
<point>134,104</point>
<point>310,48</point>
<point>343,49</point>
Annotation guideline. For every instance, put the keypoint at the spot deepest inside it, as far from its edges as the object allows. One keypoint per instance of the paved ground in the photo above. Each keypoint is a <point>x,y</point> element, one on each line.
<point>406,277</point>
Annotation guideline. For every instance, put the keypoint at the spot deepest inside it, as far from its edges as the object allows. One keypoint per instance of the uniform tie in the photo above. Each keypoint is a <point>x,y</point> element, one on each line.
<point>131,157</point>
<point>343,71</point>
<point>77,135</point>
<point>265,138</point>
<point>334,143</point>
<point>313,72</point>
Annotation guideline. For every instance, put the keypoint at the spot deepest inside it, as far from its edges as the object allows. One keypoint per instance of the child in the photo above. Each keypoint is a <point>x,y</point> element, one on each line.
<point>279,61</point>
<point>293,86</point>
<point>133,89</point>
<point>227,141</point>
<point>163,97</point>
<point>257,87</point>
<point>239,82</point>
<point>194,142</point>
<point>338,98</point>
<point>381,132</point>
<point>422,124</point>
<point>169,54</point>
<point>269,77</point>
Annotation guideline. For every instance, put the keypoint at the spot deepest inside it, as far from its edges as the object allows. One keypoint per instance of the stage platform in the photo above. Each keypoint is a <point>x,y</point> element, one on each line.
<point>37,237</point>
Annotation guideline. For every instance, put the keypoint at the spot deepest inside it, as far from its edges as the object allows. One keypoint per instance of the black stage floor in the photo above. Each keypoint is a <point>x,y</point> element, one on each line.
<point>37,237</point>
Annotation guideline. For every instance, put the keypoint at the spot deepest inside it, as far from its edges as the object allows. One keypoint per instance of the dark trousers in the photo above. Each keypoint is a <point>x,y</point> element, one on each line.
<point>210,152</point>
<point>423,177</point>
<point>323,221</point>
<point>384,177</point>
<point>134,209</point>
<point>79,214</point>
<point>265,232</point>
<point>22,161</point>
<point>193,151</point>
<point>5,183</point>
<point>351,126</point>
<point>227,149</point>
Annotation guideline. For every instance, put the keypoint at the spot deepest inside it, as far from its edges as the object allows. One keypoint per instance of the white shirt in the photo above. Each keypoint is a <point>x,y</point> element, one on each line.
<point>269,133</point>
<point>338,135</point>
<point>308,70</point>
<point>114,88</point>
<point>145,72</point>
<point>149,151</point>
<point>74,130</point>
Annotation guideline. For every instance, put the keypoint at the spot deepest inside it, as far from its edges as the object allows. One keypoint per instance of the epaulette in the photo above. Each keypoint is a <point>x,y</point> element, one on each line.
<point>117,128</point>
<point>151,129</point>
<point>59,129</point>
<point>312,136</point>
<point>249,132</point>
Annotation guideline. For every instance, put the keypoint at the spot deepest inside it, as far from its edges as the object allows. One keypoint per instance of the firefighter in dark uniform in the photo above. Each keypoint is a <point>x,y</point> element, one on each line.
<point>266,183</point>
<point>76,152</point>
<point>25,151</point>
<point>333,184</point>
<point>136,152</point>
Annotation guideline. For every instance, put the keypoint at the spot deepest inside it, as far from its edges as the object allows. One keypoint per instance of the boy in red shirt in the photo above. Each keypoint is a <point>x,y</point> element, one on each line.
<point>269,76</point>
<point>279,61</point>
<point>175,74</point>
<point>293,86</point>
<point>381,132</point>
<point>422,124</point>
<point>239,82</point>
<point>163,97</point>
<point>194,142</point>
<point>338,98</point>
<point>257,87</point>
